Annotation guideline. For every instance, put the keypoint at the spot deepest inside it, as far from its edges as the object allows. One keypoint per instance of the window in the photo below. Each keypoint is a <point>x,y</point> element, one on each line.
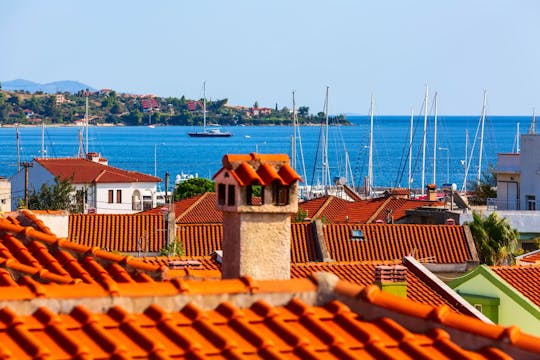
<point>255,195</point>
<point>111,196</point>
<point>221,194</point>
<point>531,202</point>
<point>118,196</point>
<point>478,307</point>
<point>280,195</point>
<point>230,195</point>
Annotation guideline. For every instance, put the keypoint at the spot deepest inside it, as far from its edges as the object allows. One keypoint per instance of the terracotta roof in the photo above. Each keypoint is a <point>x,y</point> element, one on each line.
<point>195,210</point>
<point>119,232</point>
<point>336,210</point>
<point>351,323</point>
<point>531,258</point>
<point>262,169</point>
<point>86,171</point>
<point>363,274</point>
<point>441,244</point>
<point>204,239</point>
<point>30,256</point>
<point>524,279</point>
<point>200,239</point>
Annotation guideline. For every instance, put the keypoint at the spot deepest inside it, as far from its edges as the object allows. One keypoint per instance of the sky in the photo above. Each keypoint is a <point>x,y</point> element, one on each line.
<point>260,51</point>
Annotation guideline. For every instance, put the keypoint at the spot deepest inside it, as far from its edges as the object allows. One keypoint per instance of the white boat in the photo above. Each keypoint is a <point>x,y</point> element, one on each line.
<point>208,132</point>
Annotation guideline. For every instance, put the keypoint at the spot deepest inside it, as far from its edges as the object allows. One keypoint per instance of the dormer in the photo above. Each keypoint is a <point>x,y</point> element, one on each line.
<point>257,183</point>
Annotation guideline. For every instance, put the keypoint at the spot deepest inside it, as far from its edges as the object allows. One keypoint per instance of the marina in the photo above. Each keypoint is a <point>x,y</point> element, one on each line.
<point>168,149</point>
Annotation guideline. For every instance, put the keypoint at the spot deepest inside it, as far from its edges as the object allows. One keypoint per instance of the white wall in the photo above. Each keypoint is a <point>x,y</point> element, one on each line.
<point>530,168</point>
<point>5,195</point>
<point>125,207</point>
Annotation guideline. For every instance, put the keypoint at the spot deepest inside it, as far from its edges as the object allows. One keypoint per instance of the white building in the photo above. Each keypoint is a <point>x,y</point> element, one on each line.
<point>518,176</point>
<point>5,195</point>
<point>106,189</point>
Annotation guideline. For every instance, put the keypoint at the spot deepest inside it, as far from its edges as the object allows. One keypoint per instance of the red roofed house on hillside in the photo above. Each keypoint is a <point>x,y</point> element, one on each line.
<point>149,104</point>
<point>108,190</point>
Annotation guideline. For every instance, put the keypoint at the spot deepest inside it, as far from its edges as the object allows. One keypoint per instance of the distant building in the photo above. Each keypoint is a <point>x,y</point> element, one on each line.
<point>149,104</point>
<point>60,99</point>
<point>105,189</point>
<point>28,113</point>
<point>193,105</point>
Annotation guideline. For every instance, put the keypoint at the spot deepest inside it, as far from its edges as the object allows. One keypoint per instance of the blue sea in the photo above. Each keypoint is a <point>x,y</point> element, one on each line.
<point>169,148</point>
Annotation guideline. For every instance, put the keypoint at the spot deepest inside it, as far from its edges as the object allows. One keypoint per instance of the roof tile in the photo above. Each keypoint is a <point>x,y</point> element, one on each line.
<point>83,171</point>
<point>524,279</point>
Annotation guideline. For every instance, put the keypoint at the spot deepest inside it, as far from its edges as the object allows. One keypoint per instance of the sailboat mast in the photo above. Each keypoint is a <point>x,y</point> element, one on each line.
<point>18,149</point>
<point>518,150</point>
<point>293,141</point>
<point>410,149</point>
<point>481,139</point>
<point>532,129</point>
<point>424,140</point>
<point>370,158</point>
<point>204,105</point>
<point>435,141</point>
<point>86,124</point>
<point>42,139</point>
<point>325,165</point>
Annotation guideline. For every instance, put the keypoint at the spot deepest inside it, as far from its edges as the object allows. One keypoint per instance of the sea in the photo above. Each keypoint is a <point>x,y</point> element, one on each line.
<point>169,149</point>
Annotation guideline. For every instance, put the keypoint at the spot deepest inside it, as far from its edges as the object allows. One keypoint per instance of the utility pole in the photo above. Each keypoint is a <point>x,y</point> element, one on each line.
<point>166,187</point>
<point>26,165</point>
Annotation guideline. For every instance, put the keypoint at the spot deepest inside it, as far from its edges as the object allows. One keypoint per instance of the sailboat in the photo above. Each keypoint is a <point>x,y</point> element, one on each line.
<point>208,132</point>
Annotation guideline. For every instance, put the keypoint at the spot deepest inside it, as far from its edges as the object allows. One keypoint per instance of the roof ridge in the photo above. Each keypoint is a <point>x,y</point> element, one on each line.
<point>380,208</point>
<point>191,207</point>
<point>323,206</point>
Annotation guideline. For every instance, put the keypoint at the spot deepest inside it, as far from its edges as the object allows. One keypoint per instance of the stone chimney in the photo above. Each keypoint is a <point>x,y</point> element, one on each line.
<point>432,192</point>
<point>392,279</point>
<point>257,194</point>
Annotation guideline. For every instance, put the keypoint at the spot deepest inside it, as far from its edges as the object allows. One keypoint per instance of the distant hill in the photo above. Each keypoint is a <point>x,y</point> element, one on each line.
<point>50,88</point>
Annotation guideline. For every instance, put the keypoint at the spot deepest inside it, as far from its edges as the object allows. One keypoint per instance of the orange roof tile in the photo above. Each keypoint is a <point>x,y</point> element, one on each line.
<point>524,279</point>
<point>204,239</point>
<point>363,274</point>
<point>32,257</point>
<point>195,210</point>
<point>119,232</point>
<point>262,169</point>
<point>440,244</point>
<point>336,210</point>
<point>83,171</point>
<point>531,258</point>
<point>350,323</point>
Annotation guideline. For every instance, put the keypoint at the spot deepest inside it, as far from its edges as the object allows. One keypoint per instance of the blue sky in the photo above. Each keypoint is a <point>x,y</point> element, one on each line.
<point>260,51</point>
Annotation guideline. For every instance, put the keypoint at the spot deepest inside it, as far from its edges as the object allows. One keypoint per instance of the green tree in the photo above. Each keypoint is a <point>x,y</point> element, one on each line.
<point>303,111</point>
<point>59,196</point>
<point>485,189</point>
<point>193,187</point>
<point>495,239</point>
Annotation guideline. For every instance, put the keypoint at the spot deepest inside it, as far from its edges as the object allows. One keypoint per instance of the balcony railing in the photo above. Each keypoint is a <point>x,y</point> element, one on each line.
<point>496,204</point>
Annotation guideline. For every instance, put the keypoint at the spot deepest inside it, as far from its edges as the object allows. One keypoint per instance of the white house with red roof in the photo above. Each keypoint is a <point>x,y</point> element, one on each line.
<point>106,189</point>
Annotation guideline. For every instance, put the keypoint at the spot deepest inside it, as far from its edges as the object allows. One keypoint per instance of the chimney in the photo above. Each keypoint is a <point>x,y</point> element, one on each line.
<point>392,279</point>
<point>432,192</point>
<point>257,194</point>
<point>450,221</point>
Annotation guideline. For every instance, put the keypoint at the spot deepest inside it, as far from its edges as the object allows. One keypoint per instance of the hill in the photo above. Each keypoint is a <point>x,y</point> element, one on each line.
<point>49,88</point>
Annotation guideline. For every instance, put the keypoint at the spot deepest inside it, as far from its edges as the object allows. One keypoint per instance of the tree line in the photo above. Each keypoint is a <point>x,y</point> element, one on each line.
<point>109,107</point>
